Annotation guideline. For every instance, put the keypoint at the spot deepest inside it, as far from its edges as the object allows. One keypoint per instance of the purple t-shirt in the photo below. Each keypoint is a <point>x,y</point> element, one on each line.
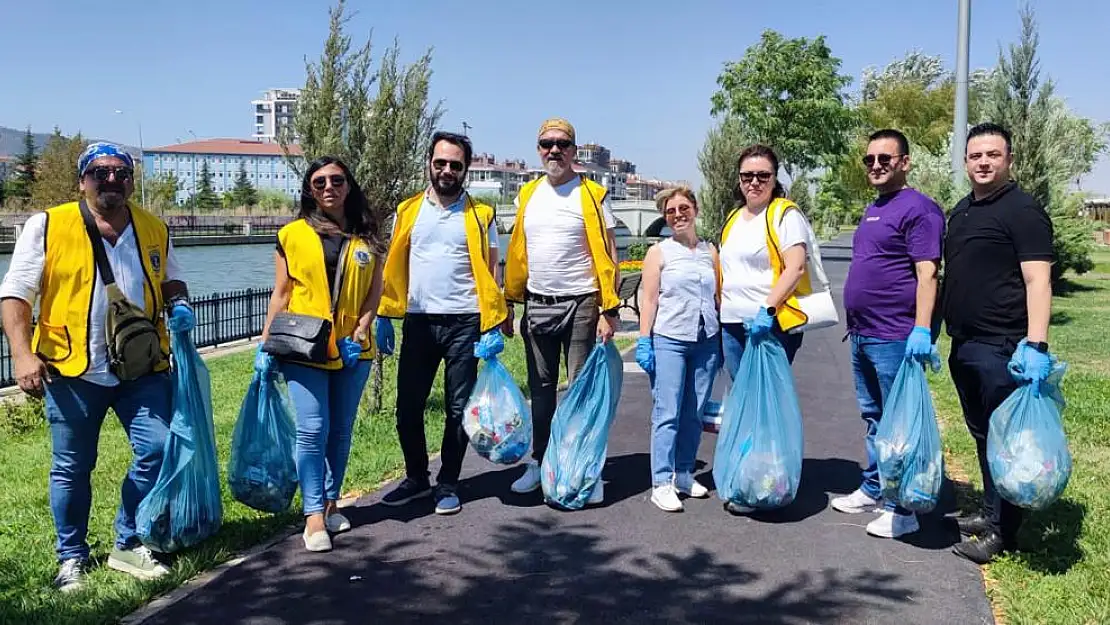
<point>880,294</point>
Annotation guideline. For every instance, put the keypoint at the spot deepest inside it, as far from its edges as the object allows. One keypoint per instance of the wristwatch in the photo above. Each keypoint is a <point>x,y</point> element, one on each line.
<point>612,312</point>
<point>771,310</point>
<point>1040,346</point>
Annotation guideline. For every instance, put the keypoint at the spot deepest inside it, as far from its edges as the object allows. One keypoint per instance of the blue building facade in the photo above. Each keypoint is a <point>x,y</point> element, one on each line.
<point>265,164</point>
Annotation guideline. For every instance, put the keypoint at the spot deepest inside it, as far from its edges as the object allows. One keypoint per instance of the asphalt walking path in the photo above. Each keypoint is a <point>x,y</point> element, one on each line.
<point>509,558</point>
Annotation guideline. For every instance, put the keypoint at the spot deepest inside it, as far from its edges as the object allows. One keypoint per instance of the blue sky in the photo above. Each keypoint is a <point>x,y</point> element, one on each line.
<point>634,76</point>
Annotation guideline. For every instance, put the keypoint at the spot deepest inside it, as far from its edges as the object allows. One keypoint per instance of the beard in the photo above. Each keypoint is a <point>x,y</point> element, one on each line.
<point>110,198</point>
<point>448,186</point>
<point>555,168</point>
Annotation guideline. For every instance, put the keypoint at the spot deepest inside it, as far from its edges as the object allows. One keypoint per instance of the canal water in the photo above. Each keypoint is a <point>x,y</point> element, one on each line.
<point>222,268</point>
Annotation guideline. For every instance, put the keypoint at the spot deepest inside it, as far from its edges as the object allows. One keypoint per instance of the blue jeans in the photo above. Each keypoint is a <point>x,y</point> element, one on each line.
<point>734,338</point>
<point>875,364</point>
<point>680,387</point>
<point>326,403</point>
<point>75,410</point>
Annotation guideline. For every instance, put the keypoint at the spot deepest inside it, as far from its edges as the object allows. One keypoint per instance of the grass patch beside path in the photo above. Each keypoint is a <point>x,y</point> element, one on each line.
<point>27,564</point>
<point>1062,573</point>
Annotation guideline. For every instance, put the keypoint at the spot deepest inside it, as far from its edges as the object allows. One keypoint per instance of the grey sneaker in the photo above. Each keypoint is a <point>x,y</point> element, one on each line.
<point>71,575</point>
<point>447,499</point>
<point>138,562</point>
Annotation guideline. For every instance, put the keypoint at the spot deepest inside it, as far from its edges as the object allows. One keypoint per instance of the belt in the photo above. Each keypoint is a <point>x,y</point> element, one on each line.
<point>551,300</point>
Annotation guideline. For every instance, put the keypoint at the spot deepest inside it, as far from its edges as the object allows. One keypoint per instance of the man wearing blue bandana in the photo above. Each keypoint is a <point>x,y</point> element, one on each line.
<point>65,355</point>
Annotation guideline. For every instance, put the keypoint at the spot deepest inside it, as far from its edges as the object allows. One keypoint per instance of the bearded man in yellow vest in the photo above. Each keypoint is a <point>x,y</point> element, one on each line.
<point>67,358</point>
<point>561,264</point>
<point>441,278</point>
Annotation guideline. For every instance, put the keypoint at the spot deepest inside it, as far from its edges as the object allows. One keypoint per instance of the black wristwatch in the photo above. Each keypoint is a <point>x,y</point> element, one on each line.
<point>612,312</point>
<point>771,310</point>
<point>1040,346</point>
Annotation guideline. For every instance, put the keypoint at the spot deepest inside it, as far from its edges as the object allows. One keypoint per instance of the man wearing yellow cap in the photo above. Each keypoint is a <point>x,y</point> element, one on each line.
<point>561,264</point>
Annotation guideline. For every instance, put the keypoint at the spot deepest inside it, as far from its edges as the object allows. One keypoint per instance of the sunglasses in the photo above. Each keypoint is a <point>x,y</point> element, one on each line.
<point>563,144</point>
<point>884,159</point>
<point>102,173</point>
<point>672,211</point>
<point>321,183</point>
<point>441,163</point>
<point>762,176</point>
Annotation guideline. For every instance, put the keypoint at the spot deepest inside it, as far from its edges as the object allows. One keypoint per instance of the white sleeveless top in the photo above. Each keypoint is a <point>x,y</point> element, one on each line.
<point>687,292</point>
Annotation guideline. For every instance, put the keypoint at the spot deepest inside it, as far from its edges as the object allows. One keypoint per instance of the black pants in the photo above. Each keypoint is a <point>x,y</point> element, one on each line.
<point>426,341</point>
<point>983,382</point>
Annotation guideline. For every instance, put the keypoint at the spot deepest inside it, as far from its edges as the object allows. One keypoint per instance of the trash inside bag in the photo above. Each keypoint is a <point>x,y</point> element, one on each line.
<point>580,430</point>
<point>262,472</point>
<point>758,459</point>
<point>1027,449</point>
<point>711,416</point>
<point>183,507</point>
<point>497,418</point>
<point>907,442</point>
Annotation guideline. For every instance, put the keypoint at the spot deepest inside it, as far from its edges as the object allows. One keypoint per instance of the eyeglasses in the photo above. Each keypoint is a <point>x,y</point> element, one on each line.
<point>102,173</point>
<point>564,144</point>
<point>321,183</point>
<point>762,176</point>
<point>441,163</point>
<point>674,210</point>
<point>884,159</point>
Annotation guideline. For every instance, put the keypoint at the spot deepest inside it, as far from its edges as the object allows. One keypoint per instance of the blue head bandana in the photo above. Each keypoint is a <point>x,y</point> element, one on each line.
<point>97,150</point>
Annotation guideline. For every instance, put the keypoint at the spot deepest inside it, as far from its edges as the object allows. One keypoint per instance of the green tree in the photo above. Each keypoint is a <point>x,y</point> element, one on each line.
<point>55,173</point>
<point>273,201</point>
<point>205,198</point>
<point>787,93</point>
<point>718,164</point>
<point>1051,146</point>
<point>162,191</point>
<point>26,166</point>
<point>243,193</point>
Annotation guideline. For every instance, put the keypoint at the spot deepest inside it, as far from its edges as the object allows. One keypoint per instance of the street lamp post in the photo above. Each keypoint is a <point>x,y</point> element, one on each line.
<point>959,127</point>
<point>142,157</point>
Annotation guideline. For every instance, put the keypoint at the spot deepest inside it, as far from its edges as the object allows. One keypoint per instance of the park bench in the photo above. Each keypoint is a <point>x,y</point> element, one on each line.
<point>629,289</point>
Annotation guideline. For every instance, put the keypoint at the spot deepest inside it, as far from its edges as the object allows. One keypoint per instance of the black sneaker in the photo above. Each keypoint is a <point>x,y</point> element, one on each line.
<point>408,490</point>
<point>447,500</point>
<point>974,525</point>
<point>983,549</point>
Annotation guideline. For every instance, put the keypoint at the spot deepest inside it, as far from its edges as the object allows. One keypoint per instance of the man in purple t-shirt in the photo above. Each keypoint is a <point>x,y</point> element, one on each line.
<point>889,298</point>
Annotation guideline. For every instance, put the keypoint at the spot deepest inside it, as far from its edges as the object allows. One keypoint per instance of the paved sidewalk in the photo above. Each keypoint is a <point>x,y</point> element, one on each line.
<point>510,559</point>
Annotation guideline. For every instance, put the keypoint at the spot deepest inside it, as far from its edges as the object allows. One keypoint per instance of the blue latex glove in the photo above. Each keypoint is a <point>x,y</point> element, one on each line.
<point>919,344</point>
<point>489,345</point>
<point>262,361</point>
<point>349,351</point>
<point>182,318</point>
<point>762,324</point>
<point>1028,365</point>
<point>645,354</point>
<point>383,335</point>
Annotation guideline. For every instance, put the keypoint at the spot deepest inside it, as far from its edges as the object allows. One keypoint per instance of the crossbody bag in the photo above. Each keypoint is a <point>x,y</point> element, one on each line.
<point>305,338</point>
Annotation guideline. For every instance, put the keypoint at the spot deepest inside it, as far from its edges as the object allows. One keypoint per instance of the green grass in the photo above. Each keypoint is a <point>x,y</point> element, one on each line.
<point>1062,573</point>
<point>1101,259</point>
<point>27,564</point>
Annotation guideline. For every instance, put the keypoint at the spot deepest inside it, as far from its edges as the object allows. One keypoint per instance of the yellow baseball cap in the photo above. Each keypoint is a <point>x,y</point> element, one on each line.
<point>557,123</point>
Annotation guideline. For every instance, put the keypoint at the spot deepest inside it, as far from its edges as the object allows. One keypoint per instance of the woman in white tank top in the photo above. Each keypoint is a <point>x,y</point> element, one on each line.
<point>678,346</point>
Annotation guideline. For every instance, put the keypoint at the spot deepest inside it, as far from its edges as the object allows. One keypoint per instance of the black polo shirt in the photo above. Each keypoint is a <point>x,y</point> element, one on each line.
<point>987,240</point>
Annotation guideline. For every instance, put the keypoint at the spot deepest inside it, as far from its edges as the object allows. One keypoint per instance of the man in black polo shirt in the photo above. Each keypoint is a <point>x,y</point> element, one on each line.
<point>997,299</point>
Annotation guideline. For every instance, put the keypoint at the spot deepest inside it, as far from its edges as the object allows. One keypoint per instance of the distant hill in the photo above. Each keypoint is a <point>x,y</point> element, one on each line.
<point>11,141</point>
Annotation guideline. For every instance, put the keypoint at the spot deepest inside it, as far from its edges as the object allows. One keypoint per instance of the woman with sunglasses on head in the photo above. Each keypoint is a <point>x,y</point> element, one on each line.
<point>327,266</point>
<point>763,257</point>
<point>678,346</point>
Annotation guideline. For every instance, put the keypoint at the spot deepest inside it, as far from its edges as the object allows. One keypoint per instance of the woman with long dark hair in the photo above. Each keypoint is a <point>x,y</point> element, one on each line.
<point>327,266</point>
<point>763,257</point>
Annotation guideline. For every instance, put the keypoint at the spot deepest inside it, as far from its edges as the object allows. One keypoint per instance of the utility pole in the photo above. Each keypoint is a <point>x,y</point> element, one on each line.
<point>466,127</point>
<point>142,157</point>
<point>959,128</point>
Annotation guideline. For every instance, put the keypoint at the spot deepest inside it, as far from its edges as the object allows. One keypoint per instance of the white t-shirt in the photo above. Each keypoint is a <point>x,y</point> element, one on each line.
<point>25,275</point>
<point>441,280</point>
<point>559,261</point>
<point>746,264</point>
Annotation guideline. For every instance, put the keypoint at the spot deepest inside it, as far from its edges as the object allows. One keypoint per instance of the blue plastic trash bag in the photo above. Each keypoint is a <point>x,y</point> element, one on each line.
<point>262,472</point>
<point>184,507</point>
<point>910,458</point>
<point>758,460</point>
<point>1026,447</point>
<point>580,430</point>
<point>497,418</point>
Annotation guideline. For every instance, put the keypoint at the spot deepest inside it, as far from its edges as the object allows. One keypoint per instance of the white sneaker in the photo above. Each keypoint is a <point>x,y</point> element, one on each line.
<point>892,525</point>
<point>855,502</point>
<point>138,562</point>
<point>336,522</point>
<point>598,495</point>
<point>530,481</point>
<point>687,485</point>
<point>316,541</point>
<point>665,498</point>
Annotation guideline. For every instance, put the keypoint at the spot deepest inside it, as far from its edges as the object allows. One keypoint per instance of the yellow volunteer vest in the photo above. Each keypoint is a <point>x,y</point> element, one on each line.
<point>605,267</point>
<point>395,278</point>
<point>789,315</point>
<point>61,336</point>
<point>304,255</point>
